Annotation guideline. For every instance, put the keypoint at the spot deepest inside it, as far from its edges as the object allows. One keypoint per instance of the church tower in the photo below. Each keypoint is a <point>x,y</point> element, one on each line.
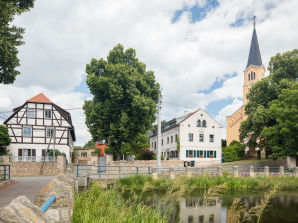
<point>253,72</point>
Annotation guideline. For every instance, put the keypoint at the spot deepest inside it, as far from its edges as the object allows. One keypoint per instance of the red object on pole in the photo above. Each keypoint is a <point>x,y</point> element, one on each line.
<point>101,145</point>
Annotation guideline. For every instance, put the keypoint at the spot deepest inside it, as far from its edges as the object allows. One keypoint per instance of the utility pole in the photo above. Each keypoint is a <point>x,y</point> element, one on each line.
<point>54,133</point>
<point>158,133</point>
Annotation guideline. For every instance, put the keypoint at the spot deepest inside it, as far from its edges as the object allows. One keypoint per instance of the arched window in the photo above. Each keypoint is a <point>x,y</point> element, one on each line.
<point>254,75</point>
<point>204,123</point>
<point>199,123</point>
<point>249,77</point>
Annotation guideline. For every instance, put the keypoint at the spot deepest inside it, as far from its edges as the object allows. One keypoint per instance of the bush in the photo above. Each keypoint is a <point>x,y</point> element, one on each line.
<point>147,155</point>
<point>235,151</point>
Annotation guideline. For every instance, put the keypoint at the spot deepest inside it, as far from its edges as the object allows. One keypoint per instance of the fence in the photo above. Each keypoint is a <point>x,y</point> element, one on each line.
<point>106,172</point>
<point>31,159</point>
<point>4,172</point>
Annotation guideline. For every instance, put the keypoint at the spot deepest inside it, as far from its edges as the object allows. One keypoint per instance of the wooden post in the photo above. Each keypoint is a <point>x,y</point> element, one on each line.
<point>266,171</point>
<point>281,171</point>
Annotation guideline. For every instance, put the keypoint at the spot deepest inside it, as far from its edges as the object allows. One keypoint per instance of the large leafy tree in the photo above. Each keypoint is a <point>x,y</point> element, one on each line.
<point>124,98</point>
<point>10,38</point>
<point>4,139</point>
<point>283,72</point>
<point>282,137</point>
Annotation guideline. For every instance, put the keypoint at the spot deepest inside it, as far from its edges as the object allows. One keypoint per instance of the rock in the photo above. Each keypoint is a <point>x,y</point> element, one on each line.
<point>21,210</point>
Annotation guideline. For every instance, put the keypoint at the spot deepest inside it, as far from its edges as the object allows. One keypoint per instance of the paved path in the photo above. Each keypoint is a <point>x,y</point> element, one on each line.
<point>27,186</point>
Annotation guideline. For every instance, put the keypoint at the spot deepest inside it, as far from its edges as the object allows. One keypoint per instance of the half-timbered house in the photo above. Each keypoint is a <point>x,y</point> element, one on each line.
<point>37,124</point>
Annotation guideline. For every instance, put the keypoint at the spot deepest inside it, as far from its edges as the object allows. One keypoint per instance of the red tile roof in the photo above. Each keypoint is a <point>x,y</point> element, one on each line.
<point>40,98</point>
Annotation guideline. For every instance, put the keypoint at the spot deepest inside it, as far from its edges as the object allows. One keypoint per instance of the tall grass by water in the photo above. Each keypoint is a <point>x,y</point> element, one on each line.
<point>99,205</point>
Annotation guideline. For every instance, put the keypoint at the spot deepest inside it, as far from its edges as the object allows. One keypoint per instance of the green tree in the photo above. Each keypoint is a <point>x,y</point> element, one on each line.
<point>282,137</point>
<point>178,146</point>
<point>235,151</point>
<point>283,71</point>
<point>4,139</point>
<point>136,146</point>
<point>124,98</point>
<point>10,38</point>
<point>89,144</point>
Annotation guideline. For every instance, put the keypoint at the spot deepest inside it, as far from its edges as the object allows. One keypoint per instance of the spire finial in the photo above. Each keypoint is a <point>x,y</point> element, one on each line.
<point>254,23</point>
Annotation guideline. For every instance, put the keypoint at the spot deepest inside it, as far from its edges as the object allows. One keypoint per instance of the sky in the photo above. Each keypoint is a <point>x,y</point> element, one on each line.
<point>198,49</point>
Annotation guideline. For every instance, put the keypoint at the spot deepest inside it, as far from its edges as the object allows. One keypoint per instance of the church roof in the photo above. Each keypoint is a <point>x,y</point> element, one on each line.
<point>254,57</point>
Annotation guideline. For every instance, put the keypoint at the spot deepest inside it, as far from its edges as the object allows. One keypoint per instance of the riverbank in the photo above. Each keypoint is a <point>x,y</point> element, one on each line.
<point>124,201</point>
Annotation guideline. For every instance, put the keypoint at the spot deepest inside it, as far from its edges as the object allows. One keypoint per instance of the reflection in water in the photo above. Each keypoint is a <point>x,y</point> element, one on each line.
<point>192,209</point>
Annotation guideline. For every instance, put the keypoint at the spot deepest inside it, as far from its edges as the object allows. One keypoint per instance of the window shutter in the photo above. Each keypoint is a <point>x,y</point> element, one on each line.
<point>204,154</point>
<point>214,154</point>
<point>195,153</point>
<point>198,153</point>
<point>20,152</point>
<point>186,153</point>
<point>208,154</point>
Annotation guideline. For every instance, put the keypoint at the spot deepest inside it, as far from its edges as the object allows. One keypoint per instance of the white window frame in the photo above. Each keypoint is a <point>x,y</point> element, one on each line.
<point>202,137</point>
<point>31,113</point>
<point>190,137</point>
<point>27,127</point>
<point>212,138</point>
<point>53,131</point>
<point>45,114</point>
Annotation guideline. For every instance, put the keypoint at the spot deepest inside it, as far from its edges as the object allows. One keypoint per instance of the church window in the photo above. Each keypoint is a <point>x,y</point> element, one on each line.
<point>199,123</point>
<point>249,77</point>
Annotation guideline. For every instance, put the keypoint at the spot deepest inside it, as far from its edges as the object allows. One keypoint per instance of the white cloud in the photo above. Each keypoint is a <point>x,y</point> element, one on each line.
<point>62,36</point>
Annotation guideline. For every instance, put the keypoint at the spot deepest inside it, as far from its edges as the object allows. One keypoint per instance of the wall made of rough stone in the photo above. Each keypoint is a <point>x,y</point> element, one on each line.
<point>147,163</point>
<point>33,168</point>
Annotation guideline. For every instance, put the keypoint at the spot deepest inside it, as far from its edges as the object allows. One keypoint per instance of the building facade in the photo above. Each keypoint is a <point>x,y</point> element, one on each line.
<point>37,125</point>
<point>198,134</point>
<point>253,72</point>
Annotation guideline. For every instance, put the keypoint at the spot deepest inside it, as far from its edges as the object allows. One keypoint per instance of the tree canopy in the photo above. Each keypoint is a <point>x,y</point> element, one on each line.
<point>283,72</point>
<point>124,98</point>
<point>4,139</point>
<point>10,38</point>
<point>235,151</point>
<point>282,137</point>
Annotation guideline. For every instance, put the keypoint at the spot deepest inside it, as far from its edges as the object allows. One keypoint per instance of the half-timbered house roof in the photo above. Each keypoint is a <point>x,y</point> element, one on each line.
<point>40,98</point>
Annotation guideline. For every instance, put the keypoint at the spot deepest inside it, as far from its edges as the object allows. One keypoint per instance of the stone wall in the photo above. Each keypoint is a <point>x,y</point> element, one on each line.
<point>148,163</point>
<point>33,168</point>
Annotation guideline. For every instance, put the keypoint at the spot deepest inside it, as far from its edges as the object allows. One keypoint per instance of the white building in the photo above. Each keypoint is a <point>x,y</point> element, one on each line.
<point>199,135</point>
<point>32,125</point>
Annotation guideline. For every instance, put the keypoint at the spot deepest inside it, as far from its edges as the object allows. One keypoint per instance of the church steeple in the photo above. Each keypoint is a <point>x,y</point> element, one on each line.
<point>254,57</point>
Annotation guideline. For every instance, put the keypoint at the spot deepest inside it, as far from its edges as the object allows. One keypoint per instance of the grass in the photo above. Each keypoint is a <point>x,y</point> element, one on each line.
<point>98,205</point>
<point>146,183</point>
<point>124,201</point>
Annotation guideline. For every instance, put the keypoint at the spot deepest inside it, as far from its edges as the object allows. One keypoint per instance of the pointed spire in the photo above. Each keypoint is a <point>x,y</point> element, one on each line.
<point>254,57</point>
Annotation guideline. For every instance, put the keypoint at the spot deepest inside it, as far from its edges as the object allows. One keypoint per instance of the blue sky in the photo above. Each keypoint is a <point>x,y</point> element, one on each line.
<point>198,49</point>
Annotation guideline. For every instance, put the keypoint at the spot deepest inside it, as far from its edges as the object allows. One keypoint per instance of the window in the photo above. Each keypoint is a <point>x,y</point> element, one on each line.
<point>204,123</point>
<point>211,138</point>
<point>208,154</point>
<point>194,153</point>
<point>152,145</point>
<point>48,114</point>
<point>83,154</point>
<point>171,139</point>
<point>205,154</point>
<point>27,131</point>
<point>176,138</point>
<point>162,142</point>
<point>190,137</point>
<point>249,77</point>
<point>31,113</point>
<point>199,123</point>
<point>201,137</point>
<point>155,145</point>
<point>187,153</point>
<point>190,154</point>
<point>168,140</point>
<point>201,154</point>
<point>49,132</point>
<point>211,154</point>
<point>214,154</point>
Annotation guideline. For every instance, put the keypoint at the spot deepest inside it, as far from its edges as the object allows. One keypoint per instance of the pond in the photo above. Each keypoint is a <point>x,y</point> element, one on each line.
<point>282,207</point>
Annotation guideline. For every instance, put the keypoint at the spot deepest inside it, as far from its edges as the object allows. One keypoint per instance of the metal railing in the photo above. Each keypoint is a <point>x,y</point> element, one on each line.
<point>31,159</point>
<point>4,172</point>
<point>103,172</point>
